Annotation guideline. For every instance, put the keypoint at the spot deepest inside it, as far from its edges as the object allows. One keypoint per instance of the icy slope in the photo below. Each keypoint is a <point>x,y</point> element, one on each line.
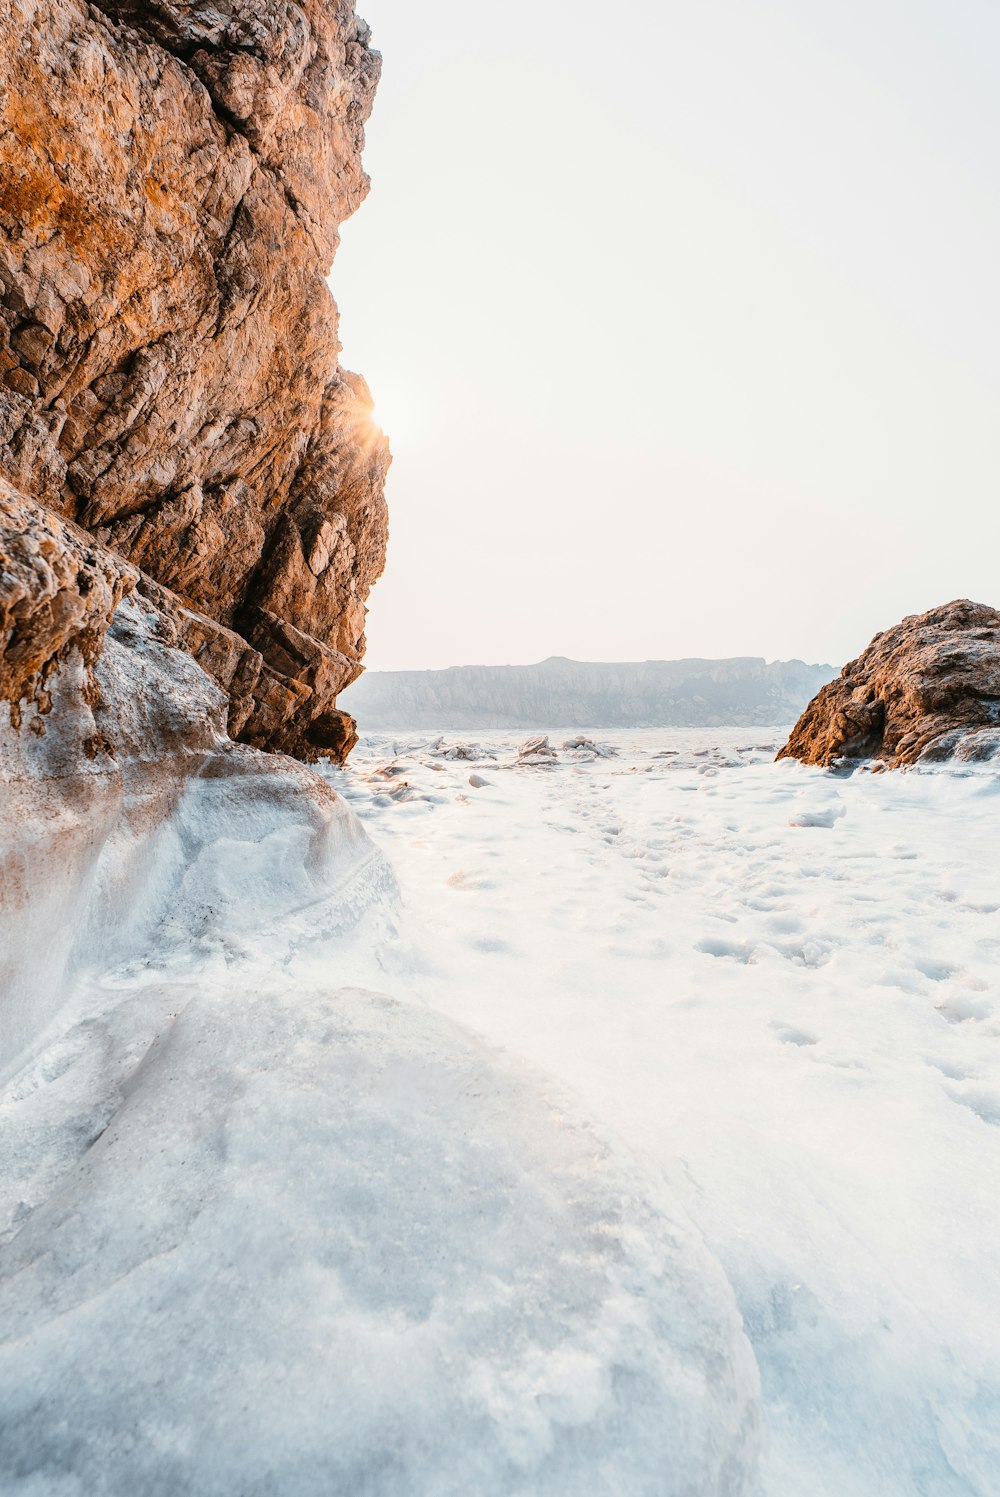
<point>782,986</point>
<point>330,1243</point>
<point>133,824</point>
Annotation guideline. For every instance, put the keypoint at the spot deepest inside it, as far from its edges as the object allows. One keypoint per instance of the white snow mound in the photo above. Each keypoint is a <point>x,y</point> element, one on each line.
<point>330,1243</point>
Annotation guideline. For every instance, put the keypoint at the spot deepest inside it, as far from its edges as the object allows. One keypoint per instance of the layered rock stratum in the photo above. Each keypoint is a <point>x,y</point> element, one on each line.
<point>173,415</point>
<point>581,694</point>
<point>927,689</point>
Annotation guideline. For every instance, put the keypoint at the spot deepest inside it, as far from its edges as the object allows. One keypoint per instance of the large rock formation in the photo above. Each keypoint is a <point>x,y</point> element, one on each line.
<point>928,689</point>
<point>172,178</point>
<point>561,693</point>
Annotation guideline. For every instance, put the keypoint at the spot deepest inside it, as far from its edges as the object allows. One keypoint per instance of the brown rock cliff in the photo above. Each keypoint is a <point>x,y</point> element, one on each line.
<point>928,689</point>
<point>172,179</point>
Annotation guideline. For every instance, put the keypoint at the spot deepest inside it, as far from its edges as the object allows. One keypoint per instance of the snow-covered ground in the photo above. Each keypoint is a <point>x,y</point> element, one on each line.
<point>781,987</point>
<point>673,1034</point>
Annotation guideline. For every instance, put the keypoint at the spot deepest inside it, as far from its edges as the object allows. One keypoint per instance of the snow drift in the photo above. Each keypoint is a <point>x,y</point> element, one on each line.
<point>328,1242</point>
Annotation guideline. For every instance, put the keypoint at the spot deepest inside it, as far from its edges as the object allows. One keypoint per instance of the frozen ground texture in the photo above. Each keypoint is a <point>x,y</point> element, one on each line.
<point>331,1244</point>
<point>266,1230</point>
<point>676,1034</point>
<point>780,986</point>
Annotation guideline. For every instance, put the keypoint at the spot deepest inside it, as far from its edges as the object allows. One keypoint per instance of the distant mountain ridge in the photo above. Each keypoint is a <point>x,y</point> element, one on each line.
<point>563,693</point>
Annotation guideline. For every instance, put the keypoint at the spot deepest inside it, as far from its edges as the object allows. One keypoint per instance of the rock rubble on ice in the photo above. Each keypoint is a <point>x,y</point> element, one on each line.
<point>536,750</point>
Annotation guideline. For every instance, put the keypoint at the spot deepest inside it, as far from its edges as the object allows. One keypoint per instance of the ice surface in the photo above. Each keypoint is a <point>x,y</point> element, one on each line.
<point>331,1243</point>
<point>780,985</point>
<point>264,1231</point>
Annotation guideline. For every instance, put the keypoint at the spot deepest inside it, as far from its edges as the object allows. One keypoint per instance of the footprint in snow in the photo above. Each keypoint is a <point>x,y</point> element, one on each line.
<point>949,1069</point>
<point>937,971</point>
<point>788,1034</point>
<point>737,951</point>
<point>984,1103</point>
<point>811,954</point>
<point>958,1008</point>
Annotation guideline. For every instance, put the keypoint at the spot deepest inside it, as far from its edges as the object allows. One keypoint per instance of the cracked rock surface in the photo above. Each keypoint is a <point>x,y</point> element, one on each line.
<point>172,179</point>
<point>927,689</point>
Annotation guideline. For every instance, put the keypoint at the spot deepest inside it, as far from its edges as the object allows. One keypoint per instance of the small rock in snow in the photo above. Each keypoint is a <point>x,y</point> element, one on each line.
<point>536,750</point>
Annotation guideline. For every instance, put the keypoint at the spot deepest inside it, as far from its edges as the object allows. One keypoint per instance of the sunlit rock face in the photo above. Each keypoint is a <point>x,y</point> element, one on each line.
<point>926,690</point>
<point>172,179</point>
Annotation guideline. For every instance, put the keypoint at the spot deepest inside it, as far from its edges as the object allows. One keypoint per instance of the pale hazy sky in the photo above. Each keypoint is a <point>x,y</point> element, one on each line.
<point>682,318</point>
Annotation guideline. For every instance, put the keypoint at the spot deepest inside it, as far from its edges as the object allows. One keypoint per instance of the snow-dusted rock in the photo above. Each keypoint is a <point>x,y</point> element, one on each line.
<point>328,1243</point>
<point>536,750</point>
<point>580,747</point>
<point>469,751</point>
<point>132,820</point>
<point>58,593</point>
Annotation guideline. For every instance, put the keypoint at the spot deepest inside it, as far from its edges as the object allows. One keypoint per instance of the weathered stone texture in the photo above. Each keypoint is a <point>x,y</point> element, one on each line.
<point>927,689</point>
<point>172,178</point>
<point>58,592</point>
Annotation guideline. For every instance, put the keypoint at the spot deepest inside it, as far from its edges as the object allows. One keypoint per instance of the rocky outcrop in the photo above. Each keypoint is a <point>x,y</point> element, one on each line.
<point>926,690</point>
<point>59,592</point>
<point>580,694</point>
<point>172,178</point>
